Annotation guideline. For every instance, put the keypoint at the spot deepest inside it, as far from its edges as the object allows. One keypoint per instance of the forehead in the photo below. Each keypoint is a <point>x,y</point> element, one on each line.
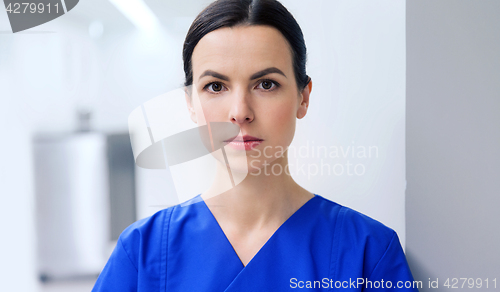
<point>242,49</point>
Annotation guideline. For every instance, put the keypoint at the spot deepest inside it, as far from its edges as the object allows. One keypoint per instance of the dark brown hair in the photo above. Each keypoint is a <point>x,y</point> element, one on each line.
<point>229,13</point>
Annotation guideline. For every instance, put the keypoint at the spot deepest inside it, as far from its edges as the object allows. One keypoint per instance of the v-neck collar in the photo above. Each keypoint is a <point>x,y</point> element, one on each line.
<point>230,246</point>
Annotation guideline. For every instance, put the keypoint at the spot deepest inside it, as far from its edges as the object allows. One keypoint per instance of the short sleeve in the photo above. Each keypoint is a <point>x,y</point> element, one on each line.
<point>119,274</point>
<point>392,271</point>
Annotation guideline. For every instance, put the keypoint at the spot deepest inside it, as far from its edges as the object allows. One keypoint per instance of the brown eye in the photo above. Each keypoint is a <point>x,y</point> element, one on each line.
<point>267,84</point>
<point>216,87</point>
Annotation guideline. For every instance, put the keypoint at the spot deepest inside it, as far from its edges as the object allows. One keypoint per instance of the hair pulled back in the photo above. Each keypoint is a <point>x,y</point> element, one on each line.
<point>230,13</point>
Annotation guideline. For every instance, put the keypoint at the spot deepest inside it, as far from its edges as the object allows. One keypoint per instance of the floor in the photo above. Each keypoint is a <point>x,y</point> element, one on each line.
<point>68,286</point>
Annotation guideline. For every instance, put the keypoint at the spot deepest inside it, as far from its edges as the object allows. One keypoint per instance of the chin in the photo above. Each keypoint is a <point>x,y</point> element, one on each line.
<point>244,166</point>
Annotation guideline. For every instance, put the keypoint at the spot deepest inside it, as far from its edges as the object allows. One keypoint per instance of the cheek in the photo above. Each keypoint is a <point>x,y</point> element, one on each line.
<point>209,111</point>
<point>282,119</point>
<point>215,113</point>
<point>286,112</point>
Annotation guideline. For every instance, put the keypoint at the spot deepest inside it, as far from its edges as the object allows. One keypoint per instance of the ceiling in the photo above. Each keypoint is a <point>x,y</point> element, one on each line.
<point>169,12</point>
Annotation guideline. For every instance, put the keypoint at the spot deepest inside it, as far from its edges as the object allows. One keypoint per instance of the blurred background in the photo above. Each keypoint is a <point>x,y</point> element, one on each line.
<point>417,79</point>
<point>68,178</point>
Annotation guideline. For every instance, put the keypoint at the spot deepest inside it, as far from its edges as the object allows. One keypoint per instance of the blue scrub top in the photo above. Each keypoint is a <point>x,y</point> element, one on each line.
<point>323,246</point>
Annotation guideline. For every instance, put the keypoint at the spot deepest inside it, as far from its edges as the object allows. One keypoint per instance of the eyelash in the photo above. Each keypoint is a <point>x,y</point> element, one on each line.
<point>276,85</point>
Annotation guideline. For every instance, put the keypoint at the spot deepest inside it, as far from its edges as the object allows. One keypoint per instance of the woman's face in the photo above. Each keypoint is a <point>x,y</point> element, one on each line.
<point>244,75</point>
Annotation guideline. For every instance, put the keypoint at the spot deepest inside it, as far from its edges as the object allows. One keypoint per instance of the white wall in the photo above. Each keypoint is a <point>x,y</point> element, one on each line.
<point>453,137</point>
<point>47,73</point>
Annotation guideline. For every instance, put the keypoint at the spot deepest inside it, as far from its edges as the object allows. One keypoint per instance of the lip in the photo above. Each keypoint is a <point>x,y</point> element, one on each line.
<point>245,142</point>
<point>243,138</point>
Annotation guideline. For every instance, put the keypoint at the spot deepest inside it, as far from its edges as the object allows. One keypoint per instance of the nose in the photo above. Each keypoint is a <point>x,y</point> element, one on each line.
<point>241,110</point>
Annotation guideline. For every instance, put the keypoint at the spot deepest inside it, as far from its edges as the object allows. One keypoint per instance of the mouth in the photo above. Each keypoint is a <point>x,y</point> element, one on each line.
<point>245,142</point>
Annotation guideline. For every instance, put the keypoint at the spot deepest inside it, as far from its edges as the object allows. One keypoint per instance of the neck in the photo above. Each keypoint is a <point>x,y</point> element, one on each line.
<point>259,199</point>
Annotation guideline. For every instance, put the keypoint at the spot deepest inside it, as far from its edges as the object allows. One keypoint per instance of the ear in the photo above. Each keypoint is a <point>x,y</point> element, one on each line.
<point>304,100</point>
<point>188,96</point>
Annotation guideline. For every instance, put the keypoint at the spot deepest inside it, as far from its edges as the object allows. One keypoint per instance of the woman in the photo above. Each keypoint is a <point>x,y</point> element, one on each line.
<point>245,64</point>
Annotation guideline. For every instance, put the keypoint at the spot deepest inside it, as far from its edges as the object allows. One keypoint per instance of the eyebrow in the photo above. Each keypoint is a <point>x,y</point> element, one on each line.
<point>254,76</point>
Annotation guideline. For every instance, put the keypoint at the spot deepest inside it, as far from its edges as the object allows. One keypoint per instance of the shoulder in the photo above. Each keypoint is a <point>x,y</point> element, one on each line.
<point>361,226</point>
<point>367,236</point>
<point>366,248</point>
<point>145,235</point>
<point>356,225</point>
<point>361,242</point>
<point>148,225</point>
<point>360,238</point>
<point>137,256</point>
